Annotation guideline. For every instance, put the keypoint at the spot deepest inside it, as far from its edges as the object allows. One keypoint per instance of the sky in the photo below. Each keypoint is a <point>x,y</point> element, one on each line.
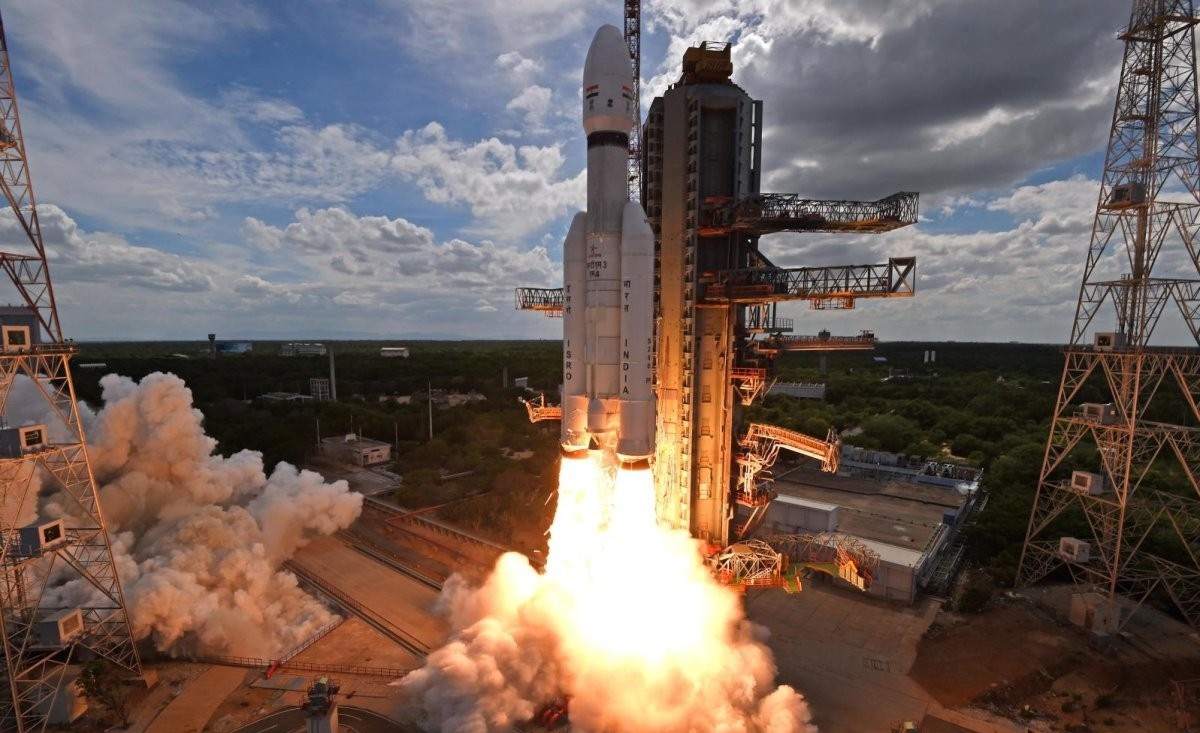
<point>393,169</point>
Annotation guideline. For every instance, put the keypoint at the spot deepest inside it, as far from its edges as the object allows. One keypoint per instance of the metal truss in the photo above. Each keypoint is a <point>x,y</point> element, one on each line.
<point>37,666</point>
<point>538,409</point>
<point>750,383</point>
<point>1120,502</point>
<point>761,318</point>
<point>774,560</point>
<point>766,213</point>
<point>853,560</point>
<point>820,342</point>
<point>545,300</point>
<point>824,287</point>
<point>897,278</point>
<point>751,563</point>
<point>760,448</point>
<point>633,39</point>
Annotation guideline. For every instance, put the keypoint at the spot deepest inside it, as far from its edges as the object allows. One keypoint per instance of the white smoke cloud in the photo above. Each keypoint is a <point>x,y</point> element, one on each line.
<point>198,538</point>
<point>627,624</point>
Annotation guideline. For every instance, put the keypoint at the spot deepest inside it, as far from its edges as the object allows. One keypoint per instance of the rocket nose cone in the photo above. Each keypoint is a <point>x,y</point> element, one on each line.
<point>608,54</point>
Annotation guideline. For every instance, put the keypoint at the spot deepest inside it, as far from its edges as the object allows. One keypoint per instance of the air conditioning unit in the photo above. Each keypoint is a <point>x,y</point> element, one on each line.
<point>16,339</point>
<point>1109,340</point>
<point>60,629</point>
<point>1127,194</point>
<point>1083,482</point>
<point>1104,414</point>
<point>1075,550</point>
<point>34,539</point>
<point>16,442</point>
<point>32,437</point>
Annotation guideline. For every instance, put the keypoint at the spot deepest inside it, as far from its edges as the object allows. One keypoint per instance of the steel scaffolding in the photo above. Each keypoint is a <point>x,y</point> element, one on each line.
<point>60,599</point>
<point>1118,498</point>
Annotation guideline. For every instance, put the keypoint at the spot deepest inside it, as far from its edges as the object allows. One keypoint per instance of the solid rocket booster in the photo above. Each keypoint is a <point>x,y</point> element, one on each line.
<point>608,276</point>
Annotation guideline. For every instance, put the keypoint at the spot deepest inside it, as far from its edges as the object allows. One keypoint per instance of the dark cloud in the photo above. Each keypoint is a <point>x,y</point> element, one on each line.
<point>971,95</point>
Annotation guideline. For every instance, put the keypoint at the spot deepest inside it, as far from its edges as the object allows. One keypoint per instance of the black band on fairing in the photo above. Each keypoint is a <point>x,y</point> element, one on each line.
<point>603,139</point>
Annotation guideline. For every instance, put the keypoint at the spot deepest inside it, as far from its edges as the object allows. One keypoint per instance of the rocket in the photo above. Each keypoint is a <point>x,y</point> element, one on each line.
<point>608,278</point>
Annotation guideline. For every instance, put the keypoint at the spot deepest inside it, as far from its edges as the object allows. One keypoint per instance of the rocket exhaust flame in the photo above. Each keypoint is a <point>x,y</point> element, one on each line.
<point>627,622</point>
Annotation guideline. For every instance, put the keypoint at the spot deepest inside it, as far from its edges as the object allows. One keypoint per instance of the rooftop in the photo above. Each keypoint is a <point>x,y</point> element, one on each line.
<point>901,515</point>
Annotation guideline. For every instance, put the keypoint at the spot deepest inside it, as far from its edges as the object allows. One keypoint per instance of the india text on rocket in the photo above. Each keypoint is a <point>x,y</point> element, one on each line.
<point>608,277</point>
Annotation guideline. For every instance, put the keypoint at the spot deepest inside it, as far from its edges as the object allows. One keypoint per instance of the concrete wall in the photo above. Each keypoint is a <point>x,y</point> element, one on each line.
<point>786,517</point>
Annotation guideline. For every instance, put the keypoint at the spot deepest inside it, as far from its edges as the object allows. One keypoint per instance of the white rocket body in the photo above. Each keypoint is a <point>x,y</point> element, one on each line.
<point>608,276</point>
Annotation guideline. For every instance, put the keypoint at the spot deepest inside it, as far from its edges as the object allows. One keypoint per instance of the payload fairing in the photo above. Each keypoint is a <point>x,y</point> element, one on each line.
<point>608,277</point>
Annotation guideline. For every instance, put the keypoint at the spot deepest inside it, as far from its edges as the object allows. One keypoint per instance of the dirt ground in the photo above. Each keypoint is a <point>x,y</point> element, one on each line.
<point>1022,660</point>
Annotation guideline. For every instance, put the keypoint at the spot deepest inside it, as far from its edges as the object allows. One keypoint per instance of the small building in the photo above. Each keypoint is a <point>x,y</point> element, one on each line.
<point>302,349</point>
<point>394,351</point>
<point>357,450</point>
<point>796,515</point>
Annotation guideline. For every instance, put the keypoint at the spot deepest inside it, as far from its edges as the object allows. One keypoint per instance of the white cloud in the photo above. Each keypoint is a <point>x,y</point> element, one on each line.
<point>358,260</point>
<point>78,256</point>
<point>511,191</point>
<point>520,67</point>
<point>534,103</point>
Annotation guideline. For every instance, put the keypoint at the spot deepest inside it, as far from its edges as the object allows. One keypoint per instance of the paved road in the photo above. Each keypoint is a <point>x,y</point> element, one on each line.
<point>350,720</point>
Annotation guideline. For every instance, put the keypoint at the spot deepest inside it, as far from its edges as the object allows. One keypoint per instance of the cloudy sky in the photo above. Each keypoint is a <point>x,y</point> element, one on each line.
<point>394,168</point>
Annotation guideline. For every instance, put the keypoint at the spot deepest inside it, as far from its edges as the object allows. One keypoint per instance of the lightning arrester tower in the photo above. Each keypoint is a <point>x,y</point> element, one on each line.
<point>1118,497</point>
<point>60,599</point>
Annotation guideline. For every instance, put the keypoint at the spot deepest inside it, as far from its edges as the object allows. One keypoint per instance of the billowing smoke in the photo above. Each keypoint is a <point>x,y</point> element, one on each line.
<point>627,624</point>
<point>199,538</point>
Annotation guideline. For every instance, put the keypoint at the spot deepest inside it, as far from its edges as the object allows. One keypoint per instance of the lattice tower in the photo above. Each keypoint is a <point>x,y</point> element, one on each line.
<point>1118,498</point>
<point>633,39</point>
<point>60,599</point>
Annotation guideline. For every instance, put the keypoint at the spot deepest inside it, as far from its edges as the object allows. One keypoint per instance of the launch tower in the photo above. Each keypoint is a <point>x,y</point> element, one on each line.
<point>1118,497</point>
<point>716,293</point>
<point>44,630</point>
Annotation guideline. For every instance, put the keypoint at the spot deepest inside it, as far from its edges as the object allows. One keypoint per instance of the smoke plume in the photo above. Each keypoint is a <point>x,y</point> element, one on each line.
<point>198,538</point>
<point>627,624</point>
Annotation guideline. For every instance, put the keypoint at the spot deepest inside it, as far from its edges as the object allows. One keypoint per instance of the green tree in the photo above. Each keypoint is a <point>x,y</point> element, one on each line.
<point>891,432</point>
<point>100,682</point>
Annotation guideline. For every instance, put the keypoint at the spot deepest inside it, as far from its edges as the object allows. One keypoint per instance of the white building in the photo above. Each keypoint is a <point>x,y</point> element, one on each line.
<point>298,349</point>
<point>394,351</point>
<point>355,449</point>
